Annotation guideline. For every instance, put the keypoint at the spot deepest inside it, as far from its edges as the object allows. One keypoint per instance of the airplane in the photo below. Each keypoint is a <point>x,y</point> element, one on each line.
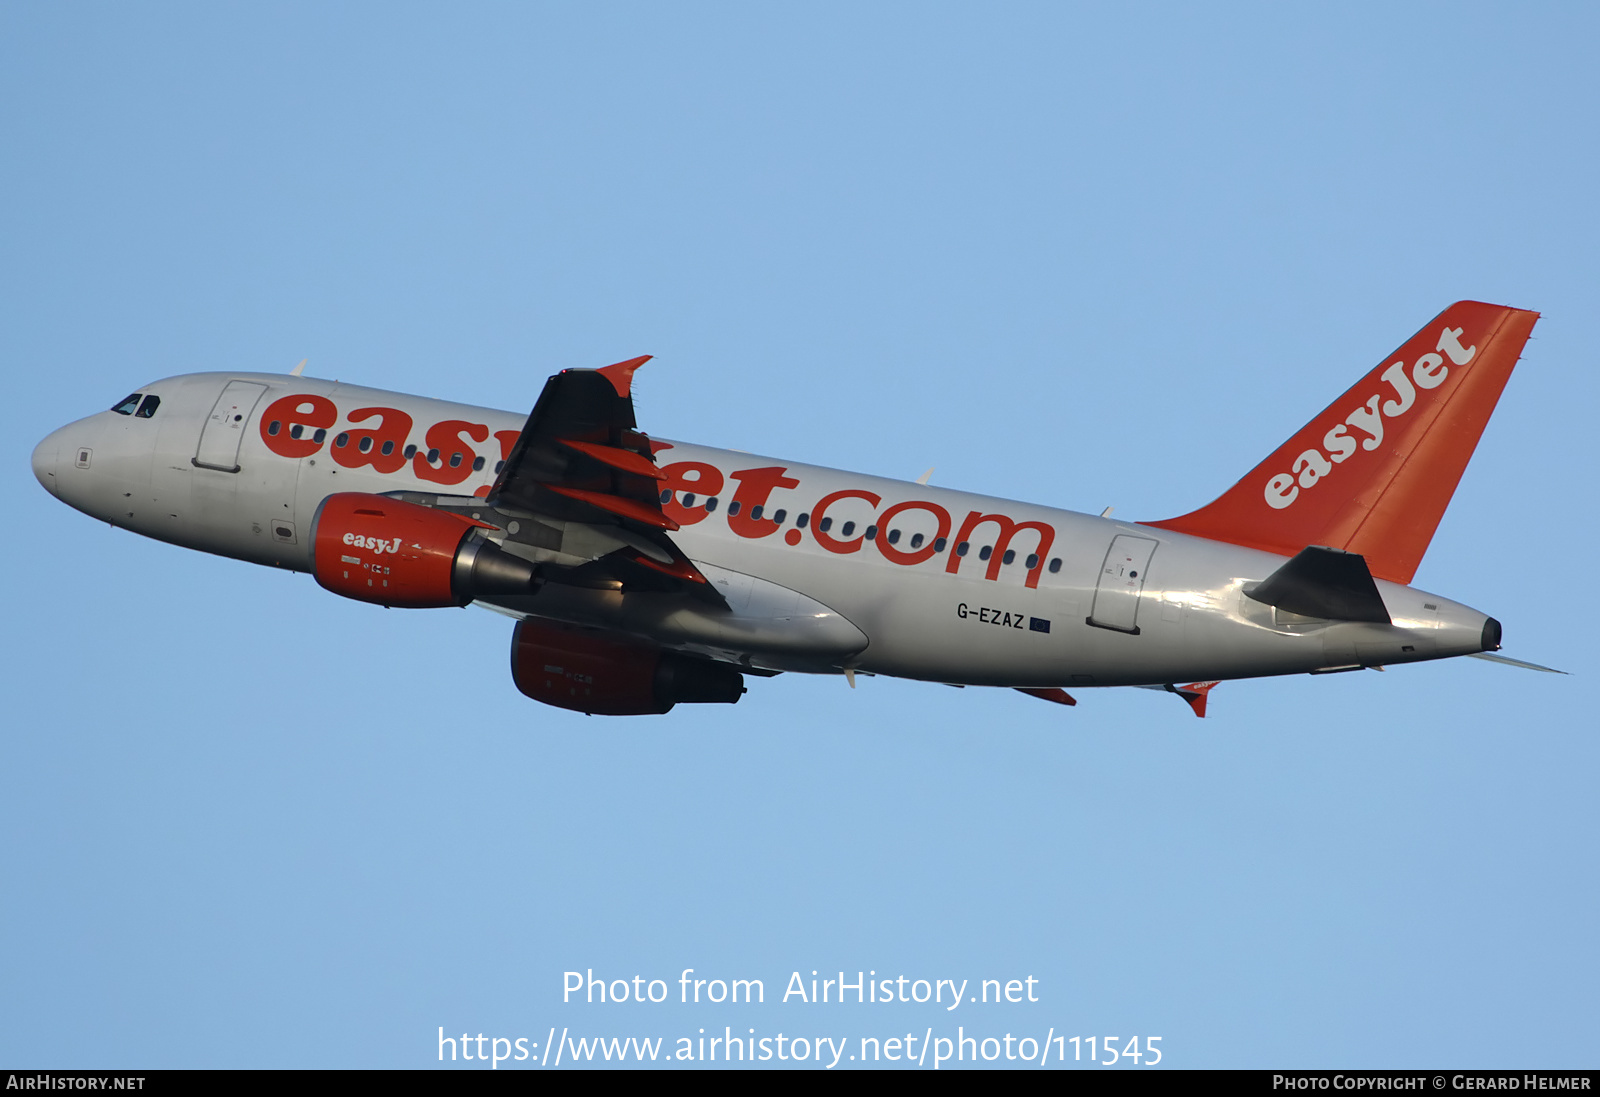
<point>644,573</point>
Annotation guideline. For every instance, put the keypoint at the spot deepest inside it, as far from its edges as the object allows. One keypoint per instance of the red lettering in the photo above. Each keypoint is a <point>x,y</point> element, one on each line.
<point>507,439</point>
<point>833,544</point>
<point>755,485</point>
<point>393,428</point>
<point>899,556</point>
<point>309,413</point>
<point>705,480</point>
<point>1008,529</point>
<point>446,438</point>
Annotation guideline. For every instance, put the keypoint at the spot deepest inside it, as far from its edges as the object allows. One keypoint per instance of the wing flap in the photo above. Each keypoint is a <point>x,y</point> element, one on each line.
<point>617,458</point>
<point>618,505</point>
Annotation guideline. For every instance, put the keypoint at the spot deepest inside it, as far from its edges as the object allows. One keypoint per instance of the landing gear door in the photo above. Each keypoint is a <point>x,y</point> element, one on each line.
<point>1116,595</point>
<point>224,429</point>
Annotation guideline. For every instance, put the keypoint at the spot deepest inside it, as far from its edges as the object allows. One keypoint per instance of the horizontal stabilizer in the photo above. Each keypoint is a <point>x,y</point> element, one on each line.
<point>1324,582</point>
<point>1510,662</point>
<point>1194,694</point>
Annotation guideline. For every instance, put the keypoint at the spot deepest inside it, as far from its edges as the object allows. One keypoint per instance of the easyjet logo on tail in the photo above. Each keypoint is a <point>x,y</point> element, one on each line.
<point>1427,373</point>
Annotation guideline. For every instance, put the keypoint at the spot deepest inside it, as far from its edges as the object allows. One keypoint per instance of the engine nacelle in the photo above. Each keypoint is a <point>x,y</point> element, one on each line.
<point>613,676</point>
<point>392,553</point>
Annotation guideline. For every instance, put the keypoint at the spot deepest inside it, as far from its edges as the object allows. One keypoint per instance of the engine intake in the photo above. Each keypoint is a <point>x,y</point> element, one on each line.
<point>606,675</point>
<point>393,553</point>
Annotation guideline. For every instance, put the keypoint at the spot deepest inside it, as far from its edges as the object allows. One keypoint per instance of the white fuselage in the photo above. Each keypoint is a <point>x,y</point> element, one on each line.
<point>888,576</point>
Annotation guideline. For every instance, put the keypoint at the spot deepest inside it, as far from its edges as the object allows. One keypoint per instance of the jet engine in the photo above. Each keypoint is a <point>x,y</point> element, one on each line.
<point>375,549</point>
<point>607,675</point>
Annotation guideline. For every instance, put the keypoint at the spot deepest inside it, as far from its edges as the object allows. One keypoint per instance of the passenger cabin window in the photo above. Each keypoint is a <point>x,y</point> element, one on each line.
<point>127,406</point>
<point>916,539</point>
<point>939,544</point>
<point>1009,558</point>
<point>711,504</point>
<point>410,452</point>
<point>779,515</point>
<point>365,445</point>
<point>688,499</point>
<point>733,508</point>
<point>341,441</point>
<point>755,513</point>
<point>800,522</point>
<point>477,464</point>
<point>148,408</point>
<point>983,553</point>
<point>847,529</point>
<point>1055,565</point>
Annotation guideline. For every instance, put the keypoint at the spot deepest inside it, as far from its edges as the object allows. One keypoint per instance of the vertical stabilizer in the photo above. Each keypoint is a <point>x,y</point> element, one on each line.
<point>1374,472</point>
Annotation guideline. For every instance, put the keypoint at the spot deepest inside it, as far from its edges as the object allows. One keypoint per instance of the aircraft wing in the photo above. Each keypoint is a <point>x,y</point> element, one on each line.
<point>581,459</point>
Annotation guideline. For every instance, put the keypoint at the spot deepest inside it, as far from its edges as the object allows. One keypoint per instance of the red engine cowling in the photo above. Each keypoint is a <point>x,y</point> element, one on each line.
<point>605,675</point>
<point>394,553</point>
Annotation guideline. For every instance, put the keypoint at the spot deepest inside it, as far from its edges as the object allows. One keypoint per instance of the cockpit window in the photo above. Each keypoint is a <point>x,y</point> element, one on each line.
<point>127,406</point>
<point>148,408</point>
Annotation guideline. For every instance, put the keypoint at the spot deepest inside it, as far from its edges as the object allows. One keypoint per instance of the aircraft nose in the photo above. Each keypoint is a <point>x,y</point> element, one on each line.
<point>45,456</point>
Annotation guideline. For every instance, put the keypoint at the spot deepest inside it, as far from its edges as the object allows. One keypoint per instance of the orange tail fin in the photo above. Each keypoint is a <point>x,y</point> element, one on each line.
<point>1373,473</point>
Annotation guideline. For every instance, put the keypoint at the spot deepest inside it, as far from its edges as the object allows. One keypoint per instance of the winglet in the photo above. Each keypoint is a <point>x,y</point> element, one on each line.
<point>1195,694</point>
<point>1059,696</point>
<point>620,374</point>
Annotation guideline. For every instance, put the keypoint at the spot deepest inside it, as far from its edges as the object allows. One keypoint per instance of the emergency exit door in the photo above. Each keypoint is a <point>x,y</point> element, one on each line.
<point>1116,595</point>
<point>224,429</point>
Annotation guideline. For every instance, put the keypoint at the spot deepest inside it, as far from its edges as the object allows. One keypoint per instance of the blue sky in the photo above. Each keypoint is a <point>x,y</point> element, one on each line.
<point>1082,256</point>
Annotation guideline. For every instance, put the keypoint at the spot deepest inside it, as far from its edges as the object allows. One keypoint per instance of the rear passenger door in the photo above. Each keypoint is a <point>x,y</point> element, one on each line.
<point>1122,577</point>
